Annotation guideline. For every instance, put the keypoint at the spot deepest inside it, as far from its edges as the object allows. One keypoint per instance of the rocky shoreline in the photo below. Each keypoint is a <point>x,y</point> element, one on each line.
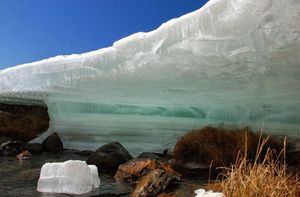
<point>150,174</point>
<point>195,160</point>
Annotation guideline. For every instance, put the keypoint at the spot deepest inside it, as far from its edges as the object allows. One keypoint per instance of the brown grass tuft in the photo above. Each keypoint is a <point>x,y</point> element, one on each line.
<point>267,177</point>
<point>220,146</point>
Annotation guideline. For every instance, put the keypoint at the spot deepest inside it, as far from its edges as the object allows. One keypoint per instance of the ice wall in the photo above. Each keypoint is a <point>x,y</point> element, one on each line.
<point>230,62</point>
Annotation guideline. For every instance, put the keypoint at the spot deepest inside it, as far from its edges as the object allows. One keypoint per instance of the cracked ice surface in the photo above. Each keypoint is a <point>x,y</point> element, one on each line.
<point>232,62</point>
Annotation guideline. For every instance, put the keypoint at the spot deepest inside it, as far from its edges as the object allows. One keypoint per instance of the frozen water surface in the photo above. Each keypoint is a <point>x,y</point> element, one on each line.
<point>232,62</point>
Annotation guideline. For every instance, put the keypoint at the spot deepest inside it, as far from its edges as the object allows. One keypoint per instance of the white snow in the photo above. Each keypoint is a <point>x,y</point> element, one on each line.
<point>235,62</point>
<point>70,177</point>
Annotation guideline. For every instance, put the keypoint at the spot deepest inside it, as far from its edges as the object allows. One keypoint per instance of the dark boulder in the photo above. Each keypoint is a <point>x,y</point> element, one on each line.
<point>85,153</point>
<point>149,155</point>
<point>23,122</point>
<point>293,158</point>
<point>181,190</point>
<point>4,139</point>
<point>108,157</point>
<point>158,156</point>
<point>53,144</point>
<point>12,148</point>
<point>34,148</point>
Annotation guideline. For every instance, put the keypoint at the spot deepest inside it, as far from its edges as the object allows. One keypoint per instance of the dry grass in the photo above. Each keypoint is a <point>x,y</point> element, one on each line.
<point>220,146</point>
<point>267,177</point>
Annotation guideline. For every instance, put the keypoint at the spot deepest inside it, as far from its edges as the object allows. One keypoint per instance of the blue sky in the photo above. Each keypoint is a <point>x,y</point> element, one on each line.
<point>31,30</point>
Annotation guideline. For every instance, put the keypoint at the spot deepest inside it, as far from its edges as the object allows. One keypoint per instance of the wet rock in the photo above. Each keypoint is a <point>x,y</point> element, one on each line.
<point>132,170</point>
<point>108,157</point>
<point>154,183</point>
<point>293,158</point>
<point>149,155</point>
<point>24,155</point>
<point>179,190</point>
<point>12,148</point>
<point>34,148</point>
<point>4,139</point>
<point>23,122</point>
<point>52,144</point>
<point>165,156</point>
<point>85,152</point>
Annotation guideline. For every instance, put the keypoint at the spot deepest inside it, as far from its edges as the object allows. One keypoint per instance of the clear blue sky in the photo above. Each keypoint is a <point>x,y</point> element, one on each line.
<point>31,30</point>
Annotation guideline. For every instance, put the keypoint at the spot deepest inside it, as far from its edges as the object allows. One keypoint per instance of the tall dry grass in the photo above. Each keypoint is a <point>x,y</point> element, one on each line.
<point>267,177</point>
<point>220,146</point>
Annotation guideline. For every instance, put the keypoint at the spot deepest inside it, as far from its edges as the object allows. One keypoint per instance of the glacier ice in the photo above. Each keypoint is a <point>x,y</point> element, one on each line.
<point>70,177</point>
<point>232,62</point>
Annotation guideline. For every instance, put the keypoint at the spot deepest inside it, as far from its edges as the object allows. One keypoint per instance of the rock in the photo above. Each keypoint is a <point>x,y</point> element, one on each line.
<point>4,139</point>
<point>24,155</point>
<point>12,148</point>
<point>132,170</point>
<point>149,155</point>
<point>23,122</point>
<point>154,183</point>
<point>108,157</point>
<point>181,190</point>
<point>84,152</point>
<point>52,144</point>
<point>158,156</point>
<point>70,177</point>
<point>35,148</point>
<point>293,158</point>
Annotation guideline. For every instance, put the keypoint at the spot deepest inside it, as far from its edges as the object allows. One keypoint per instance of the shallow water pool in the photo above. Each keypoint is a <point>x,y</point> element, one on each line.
<point>19,178</point>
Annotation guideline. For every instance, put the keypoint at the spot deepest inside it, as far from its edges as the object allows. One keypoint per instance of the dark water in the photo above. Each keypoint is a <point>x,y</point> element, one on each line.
<point>19,178</point>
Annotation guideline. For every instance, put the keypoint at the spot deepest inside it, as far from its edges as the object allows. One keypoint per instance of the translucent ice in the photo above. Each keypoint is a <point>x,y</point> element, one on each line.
<point>232,61</point>
<point>203,193</point>
<point>70,177</point>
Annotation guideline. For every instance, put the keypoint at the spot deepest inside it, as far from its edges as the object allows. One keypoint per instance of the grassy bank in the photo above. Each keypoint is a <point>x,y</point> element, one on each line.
<point>249,164</point>
<point>269,177</point>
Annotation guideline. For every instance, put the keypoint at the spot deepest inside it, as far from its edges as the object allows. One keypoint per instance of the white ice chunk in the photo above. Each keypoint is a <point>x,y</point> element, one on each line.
<point>202,193</point>
<point>70,177</point>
